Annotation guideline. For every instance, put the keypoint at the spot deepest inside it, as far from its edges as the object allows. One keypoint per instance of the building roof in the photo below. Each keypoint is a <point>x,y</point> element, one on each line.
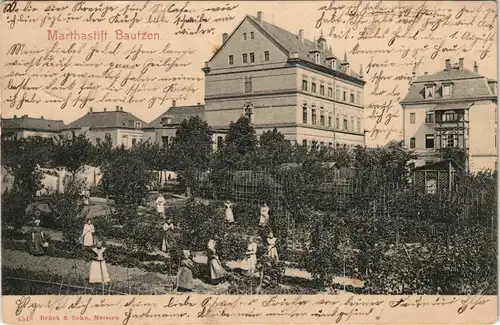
<point>32,123</point>
<point>440,165</point>
<point>465,85</point>
<point>177,114</point>
<point>292,43</point>
<point>104,120</point>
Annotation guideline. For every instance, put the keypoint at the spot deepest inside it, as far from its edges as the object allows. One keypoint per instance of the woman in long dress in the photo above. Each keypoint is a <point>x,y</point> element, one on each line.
<point>37,239</point>
<point>185,276</point>
<point>168,228</point>
<point>160,206</point>
<point>98,270</point>
<point>250,263</point>
<point>264,215</point>
<point>272,251</point>
<point>88,234</point>
<point>229,212</point>
<point>215,270</point>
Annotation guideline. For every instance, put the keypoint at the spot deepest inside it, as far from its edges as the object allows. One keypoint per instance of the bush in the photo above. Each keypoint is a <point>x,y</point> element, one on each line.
<point>14,203</point>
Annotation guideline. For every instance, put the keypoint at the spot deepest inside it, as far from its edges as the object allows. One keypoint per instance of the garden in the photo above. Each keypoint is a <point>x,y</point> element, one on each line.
<point>338,213</point>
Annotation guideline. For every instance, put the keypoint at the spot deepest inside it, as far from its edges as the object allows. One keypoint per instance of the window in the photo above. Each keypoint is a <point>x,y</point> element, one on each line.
<point>304,143</point>
<point>248,111</point>
<point>337,122</point>
<point>429,141</point>
<point>125,140</point>
<point>248,84</point>
<point>304,114</point>
<point>429,91</point>
<point>412,143</point>
<point>220,142</point>
<point>345,124</point>
<point>322,118</point>
<point>449,116</point>
<point>333,64</point>
<point>352,123</point>
<point>98,141</point>
<point>329,121</point>
<point>266,55</point>
<point>252,57</point>
<point>322,90</point>
<point>359,98</point>
<point>244,36</point>
<point>137,124</point>
<point>134,141</point>
<point>316,58</point>
<point>345,96</point>
<point>164,142</point>
<point>304,85</point>
<point>412,118</point>
<point>313,116</point>
<point>231,60</point>
<point>352,98</point>
<point>446,90</point>
<point>251,35</point>
<point>330,92</point>
<point>429,117</point>
<point>313,87</point>
<point>245,58</point>
<point>450,140</point>
<point>337,95</point>
<point>358,127</point>
<point>431,186</point>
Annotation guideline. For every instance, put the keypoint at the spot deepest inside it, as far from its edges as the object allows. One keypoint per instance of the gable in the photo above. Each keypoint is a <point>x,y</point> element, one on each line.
<point>237,46</point>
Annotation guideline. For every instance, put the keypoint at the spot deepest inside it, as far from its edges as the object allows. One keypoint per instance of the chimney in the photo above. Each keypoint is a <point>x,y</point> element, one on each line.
<point>199,104</point>
<point>361,71</point>
<point>259,16</point>
<point>15,116</point>
<point>475,67</point>
<point>173,102</point>
<point>91,110</point>
<point>224,37</point>
<point>447,65</point>
<point>461,64</point>
<point>105,109</point>
<point>117,108</point>
<point>41,117</point>
<point>425,72</point>
<point>301,35</point>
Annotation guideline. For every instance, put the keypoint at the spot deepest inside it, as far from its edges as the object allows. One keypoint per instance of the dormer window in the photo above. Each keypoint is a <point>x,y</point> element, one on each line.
<point>316,58</point>
<point>446,90</point>
<point>166,120</point>
<point>137,124</point>
<point>333,64</point>
<point>429,91</point>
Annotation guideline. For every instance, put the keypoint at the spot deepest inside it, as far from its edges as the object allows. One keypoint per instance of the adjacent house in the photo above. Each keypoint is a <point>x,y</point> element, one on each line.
<point>25,126</point>
<point>280,79</point>
<point>123,127</point>
<point>162,130</point>
<point>452,108</point>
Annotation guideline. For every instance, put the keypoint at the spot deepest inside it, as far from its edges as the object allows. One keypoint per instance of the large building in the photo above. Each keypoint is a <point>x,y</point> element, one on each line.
<point>123,127</point>
<point>25,126</point>
<point>454,107</point>
<point>280,79</point>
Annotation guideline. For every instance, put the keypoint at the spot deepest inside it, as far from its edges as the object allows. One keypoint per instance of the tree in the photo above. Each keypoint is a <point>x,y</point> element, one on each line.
<point>274,149</point>
<point>191,148</point>
<point>156,157</point>
<point>103,151</point>
<point>73,152</point>
<point>126,178</point>
<point>242,135</point>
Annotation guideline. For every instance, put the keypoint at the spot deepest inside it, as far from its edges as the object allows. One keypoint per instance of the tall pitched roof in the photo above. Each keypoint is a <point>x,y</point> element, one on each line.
<point>108,119</point>
<point>465,85</point>
<point>292,43</point>
<point>32,123</point>
<point>177,114</point>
